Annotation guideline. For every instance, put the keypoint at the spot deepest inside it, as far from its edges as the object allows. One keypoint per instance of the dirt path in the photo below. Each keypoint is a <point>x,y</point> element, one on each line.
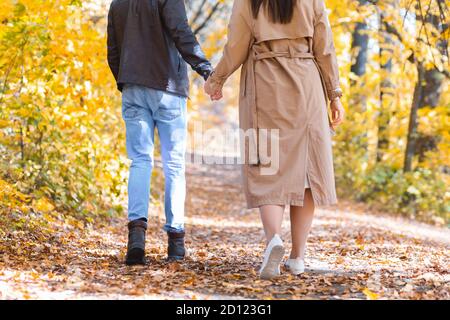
<point>350,255</point>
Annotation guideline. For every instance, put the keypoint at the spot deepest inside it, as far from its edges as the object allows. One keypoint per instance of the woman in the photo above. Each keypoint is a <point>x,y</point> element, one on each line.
<point>289,70</point>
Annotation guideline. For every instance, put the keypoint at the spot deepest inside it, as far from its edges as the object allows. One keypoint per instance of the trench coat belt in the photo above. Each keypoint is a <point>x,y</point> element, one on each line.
<point>251,92</point>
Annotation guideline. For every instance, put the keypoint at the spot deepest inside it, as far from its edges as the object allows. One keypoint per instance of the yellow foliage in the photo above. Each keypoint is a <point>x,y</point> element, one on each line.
<point>370,295</point>
<point>43,205</point>
<point>59,104</point>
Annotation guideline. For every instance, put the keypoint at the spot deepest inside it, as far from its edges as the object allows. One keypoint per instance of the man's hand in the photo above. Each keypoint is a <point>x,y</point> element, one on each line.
<point>337,113</point>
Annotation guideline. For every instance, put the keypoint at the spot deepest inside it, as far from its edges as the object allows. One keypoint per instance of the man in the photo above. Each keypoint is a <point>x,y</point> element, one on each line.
<point>147,43</point>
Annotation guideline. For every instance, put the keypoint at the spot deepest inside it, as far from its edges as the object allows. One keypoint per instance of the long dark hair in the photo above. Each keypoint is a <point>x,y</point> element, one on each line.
<point>280,11</point>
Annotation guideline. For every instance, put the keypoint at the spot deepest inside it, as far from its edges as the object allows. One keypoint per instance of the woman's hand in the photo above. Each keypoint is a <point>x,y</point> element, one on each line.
<point>337,113</point>
<point>213,91</point>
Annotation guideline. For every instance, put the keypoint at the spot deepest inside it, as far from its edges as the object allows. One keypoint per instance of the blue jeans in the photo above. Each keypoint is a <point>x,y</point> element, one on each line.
<point>143,109</point>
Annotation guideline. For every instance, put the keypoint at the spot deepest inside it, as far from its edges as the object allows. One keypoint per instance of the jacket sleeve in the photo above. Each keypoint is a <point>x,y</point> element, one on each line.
<point>240,38</point>
<point>173,13</point>
<point>324,51</point>
<point>113,49</point>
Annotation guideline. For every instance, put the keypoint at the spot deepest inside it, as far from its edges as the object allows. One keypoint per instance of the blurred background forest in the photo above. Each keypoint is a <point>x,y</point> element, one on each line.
<point>62,137</point>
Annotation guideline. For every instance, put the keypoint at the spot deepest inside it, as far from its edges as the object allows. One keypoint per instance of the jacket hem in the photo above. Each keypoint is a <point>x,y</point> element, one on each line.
<point>164,88</point>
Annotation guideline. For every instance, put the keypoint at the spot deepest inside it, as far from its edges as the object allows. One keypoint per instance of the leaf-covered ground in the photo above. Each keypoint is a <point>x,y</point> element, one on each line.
<point>351,254</point>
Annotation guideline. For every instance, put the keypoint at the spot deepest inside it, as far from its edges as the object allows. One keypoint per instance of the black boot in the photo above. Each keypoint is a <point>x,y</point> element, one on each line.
<point>136,242</point>
<point>176,250</point>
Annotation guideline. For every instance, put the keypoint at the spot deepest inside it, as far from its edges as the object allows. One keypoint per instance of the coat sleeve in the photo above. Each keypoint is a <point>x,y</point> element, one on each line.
<point>113,48</point>
<point>240,38</point>
<point>325,52</point>
<point>176,22</point>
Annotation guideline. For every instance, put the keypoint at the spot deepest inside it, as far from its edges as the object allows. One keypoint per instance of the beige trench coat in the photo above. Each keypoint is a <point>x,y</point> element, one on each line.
<point>288,72</point>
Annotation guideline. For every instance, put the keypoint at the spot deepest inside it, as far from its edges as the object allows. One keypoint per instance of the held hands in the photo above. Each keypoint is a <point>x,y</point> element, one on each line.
<point>337,113</point>
<point>214,91</point>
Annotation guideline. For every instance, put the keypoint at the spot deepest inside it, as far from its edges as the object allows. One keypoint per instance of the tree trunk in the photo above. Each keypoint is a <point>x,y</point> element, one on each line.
<point>360,43</point>
<point>412,129</point>
<point>386,86</point>
<point>432,90</point>
<point>430,80</point>
<point>431,84</point>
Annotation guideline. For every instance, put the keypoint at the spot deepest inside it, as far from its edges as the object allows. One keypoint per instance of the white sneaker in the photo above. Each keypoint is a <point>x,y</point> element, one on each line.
<point>295,266</point>
<point>272,259</point>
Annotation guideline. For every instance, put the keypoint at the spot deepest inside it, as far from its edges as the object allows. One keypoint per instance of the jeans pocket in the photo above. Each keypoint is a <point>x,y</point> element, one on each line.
<point>130,113</point>
<point>131,102</point>
<point>170,108</point>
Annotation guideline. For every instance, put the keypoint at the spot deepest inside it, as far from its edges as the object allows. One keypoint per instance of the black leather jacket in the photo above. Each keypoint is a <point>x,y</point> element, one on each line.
<point>147,43</point>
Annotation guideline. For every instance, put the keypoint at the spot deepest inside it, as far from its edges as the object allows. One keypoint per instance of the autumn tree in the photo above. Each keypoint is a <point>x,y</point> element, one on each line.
<point>432,38</point>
